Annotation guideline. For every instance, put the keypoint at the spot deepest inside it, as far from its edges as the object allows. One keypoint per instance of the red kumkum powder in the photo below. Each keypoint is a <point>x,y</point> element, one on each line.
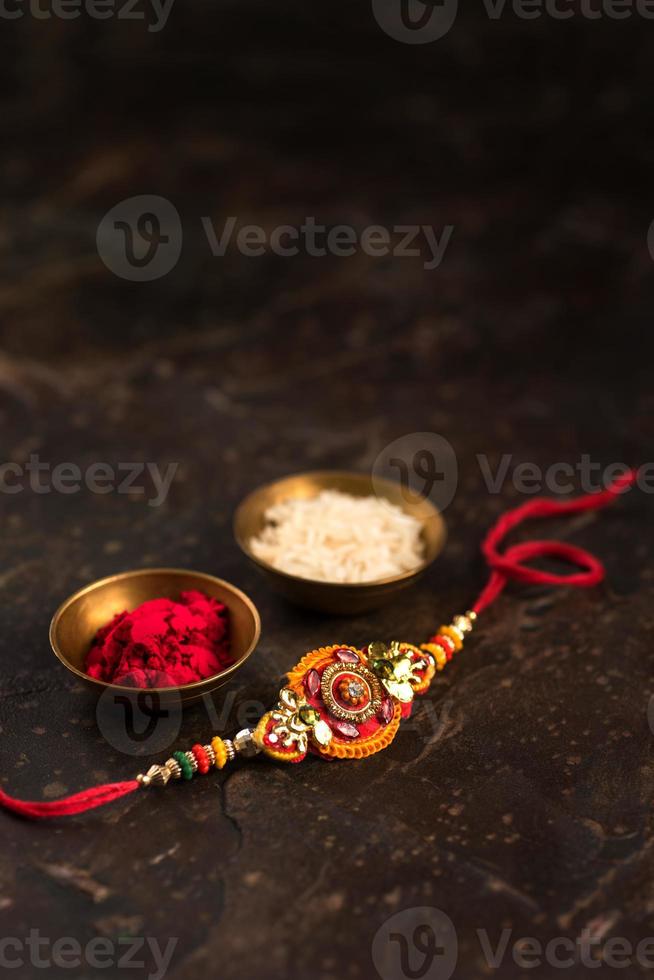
<point>163,643</point>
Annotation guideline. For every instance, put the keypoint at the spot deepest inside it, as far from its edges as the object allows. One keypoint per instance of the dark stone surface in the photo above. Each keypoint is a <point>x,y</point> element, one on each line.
<point>521,795</point>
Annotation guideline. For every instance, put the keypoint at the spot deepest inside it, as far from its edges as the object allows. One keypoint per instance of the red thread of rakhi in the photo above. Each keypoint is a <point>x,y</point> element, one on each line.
<point>510,564</point>
<point>505,566</point>
<point>88,799</point>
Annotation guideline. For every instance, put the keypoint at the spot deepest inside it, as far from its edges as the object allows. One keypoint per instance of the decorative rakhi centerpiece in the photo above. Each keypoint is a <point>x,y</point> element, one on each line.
<point>346,703</point>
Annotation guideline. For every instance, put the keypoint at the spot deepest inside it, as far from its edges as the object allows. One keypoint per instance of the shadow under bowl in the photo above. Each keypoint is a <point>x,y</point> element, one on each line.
<point>78,619</point>
<point>337,597</point>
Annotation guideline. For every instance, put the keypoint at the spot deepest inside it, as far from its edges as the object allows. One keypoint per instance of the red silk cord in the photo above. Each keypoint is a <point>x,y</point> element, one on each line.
<point>69,805</point>
<point>510,565</point>
<point>506,566</point>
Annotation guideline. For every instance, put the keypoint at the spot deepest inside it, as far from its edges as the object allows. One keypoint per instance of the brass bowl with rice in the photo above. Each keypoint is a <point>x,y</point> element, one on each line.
<point>339,542</point>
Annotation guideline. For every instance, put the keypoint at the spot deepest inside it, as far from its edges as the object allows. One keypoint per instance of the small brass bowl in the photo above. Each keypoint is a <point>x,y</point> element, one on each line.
<point>78,619</point>
<point>337,597</point>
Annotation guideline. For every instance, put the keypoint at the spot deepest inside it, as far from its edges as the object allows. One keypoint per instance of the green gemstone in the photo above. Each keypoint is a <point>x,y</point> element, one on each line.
<point>309,715</point>
<point>377,650</point>
<point>184,765</point>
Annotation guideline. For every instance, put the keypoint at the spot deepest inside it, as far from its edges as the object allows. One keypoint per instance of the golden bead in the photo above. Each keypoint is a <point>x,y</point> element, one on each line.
<point>463,624</point>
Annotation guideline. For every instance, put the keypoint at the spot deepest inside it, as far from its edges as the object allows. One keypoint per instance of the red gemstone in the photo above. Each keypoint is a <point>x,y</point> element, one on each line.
<point>345,729</point>
<point>347,656</point>
<point>386,711</point>
<point>312,682</point>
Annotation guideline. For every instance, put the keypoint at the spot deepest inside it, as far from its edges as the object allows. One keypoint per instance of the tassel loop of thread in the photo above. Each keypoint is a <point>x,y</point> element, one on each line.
<point>510,564</point>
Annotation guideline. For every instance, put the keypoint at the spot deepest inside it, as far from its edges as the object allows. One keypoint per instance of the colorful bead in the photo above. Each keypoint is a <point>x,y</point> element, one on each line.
<point>447,643</point>
<point>446,646</point>
<point>438,655</point>
<point>220,752</point>
<point>201,758</point>
<point>184,764</point>
<point>454,635</point>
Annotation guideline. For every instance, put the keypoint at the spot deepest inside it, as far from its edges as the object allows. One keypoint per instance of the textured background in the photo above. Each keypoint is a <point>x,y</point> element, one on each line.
<point>528,805</point>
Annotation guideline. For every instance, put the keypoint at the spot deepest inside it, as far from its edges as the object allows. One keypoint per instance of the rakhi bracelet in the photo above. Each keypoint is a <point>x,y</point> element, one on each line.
<point>340,702</point>
<point>346,702</point>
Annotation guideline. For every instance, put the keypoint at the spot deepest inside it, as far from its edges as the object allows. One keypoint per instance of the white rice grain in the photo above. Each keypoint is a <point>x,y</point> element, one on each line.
<point>335,537</point>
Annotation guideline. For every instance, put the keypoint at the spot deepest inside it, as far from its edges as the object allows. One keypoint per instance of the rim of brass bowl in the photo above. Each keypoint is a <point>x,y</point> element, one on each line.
<point>337,596</point>
<point>186,579</point>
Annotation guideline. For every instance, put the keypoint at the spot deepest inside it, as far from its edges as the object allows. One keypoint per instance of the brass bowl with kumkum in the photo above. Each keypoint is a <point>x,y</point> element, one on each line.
<point>76,623</point>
